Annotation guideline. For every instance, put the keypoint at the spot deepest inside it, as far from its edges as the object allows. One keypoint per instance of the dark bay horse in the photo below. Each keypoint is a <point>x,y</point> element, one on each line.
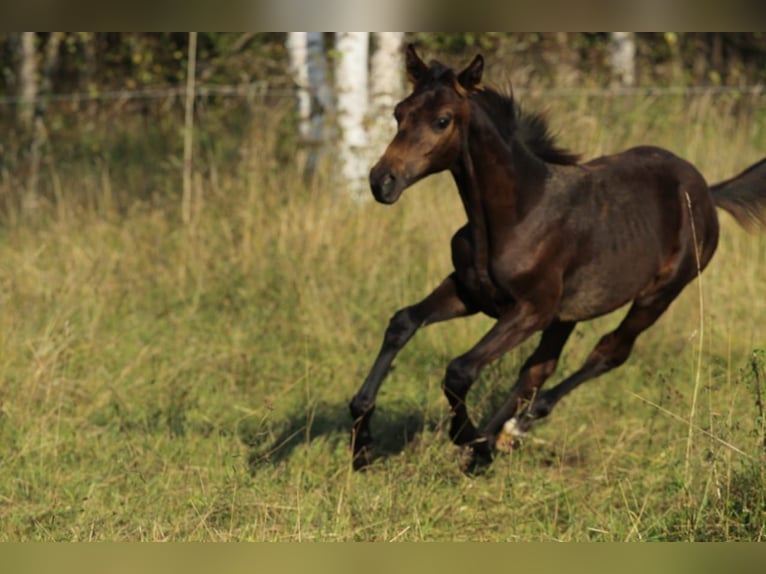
<point>549,242</point>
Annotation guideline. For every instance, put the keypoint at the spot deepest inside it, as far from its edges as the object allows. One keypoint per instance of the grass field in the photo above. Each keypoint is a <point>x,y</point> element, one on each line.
<point>162,382</point>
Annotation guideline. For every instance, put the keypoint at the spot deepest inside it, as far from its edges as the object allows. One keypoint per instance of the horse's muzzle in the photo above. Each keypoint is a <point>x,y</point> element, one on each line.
<point>385,188</point>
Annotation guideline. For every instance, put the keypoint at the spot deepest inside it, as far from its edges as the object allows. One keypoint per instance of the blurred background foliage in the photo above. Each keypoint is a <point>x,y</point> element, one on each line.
<point>105,103</point>
<point>116,60</point>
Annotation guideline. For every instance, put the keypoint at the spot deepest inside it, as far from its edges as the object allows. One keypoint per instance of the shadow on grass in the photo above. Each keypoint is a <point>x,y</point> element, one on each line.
<point>392,430</point>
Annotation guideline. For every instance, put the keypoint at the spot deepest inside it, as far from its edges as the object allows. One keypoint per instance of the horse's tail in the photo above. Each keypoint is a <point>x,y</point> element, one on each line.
<point>744,195</point>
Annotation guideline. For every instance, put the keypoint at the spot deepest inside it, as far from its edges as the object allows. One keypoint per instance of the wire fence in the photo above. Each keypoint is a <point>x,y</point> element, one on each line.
<point>247,90</point>
<point>253,90</point>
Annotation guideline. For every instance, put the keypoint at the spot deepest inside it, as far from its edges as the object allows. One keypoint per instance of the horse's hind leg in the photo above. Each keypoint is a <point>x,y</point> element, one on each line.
<point>511,329</point>
<point>442,304</point>
<point>611,351</point>
<point>533,374</point>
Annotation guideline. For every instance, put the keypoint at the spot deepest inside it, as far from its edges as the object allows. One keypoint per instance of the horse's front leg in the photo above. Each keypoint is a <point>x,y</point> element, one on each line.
<point>513,327</point>
<point>444,303</point>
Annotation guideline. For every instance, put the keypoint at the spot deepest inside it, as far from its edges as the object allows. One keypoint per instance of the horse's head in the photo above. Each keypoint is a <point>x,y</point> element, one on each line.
<point>431,123</point>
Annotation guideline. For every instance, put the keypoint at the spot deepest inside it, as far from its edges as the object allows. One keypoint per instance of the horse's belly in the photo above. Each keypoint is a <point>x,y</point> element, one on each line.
<point>596,290</point>
<point>587,304</point>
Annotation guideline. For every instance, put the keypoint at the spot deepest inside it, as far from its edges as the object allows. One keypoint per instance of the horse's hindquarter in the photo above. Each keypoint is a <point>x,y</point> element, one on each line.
<point>621,228</point>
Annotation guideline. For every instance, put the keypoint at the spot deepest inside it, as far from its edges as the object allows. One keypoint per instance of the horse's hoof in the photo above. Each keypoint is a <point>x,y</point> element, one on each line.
<point>361,447</point>
<point>363,456</point>
<point>476,457</point>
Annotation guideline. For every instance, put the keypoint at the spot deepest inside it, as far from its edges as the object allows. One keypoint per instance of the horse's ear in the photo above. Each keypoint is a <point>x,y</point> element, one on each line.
<point>471,76</point>
<point>416,68</point>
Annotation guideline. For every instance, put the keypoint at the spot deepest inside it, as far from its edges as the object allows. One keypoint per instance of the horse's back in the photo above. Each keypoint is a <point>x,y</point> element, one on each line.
<point>647,163</point>
<point>646,179</point>
<point>638,216</point>
<point>685,185</point>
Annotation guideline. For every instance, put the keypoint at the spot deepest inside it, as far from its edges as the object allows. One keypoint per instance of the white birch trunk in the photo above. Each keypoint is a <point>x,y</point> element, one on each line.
<point>187,201</point>
<point>386,88</point>
<point>32,126</point>
<point>313,91</point>
<point>27,80</point>
<point>321,90</point>
<point>623,58</point>
<point>297,49</point>
<point>352,98</point>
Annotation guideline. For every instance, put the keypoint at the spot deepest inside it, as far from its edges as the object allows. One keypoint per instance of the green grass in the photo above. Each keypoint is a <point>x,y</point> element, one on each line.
<point>167,383</point>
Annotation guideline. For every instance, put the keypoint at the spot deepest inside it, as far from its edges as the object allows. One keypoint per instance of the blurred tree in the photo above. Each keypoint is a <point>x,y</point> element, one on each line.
<point>110,61</point>
<point>623,58</point>
<point>308,65</point>
<point>27,79</point>
<point>37,65</point>
<point>34,88</point>
<point>351,90</point>
<point>363,107</point>
<point>386,84</point>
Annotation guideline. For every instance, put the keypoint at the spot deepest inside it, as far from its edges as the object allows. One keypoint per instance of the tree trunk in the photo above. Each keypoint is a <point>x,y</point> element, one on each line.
<point>36,129</point>
<point>386,88</point>
<point>352,97</point>
<point>31,124</point>
<point>313,92</point>
<point>297,49</point>
<point>623,58</point>
<point>27,80</point>
<point>50,63</point>
<point>188,205</point>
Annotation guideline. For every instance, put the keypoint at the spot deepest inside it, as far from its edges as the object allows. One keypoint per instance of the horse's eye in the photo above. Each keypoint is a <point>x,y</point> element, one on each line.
<point>442,122</point>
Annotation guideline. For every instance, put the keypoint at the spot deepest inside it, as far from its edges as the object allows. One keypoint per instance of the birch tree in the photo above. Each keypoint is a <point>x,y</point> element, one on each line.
<point>352,100</point>
<point>27,80</point>
<point>386,88</point>
<point>313,91</point>
<point>623,58</point>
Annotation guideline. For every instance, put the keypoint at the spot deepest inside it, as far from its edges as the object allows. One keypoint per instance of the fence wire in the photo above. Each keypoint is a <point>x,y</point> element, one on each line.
<point>249,90</point>
<point>265,89</point>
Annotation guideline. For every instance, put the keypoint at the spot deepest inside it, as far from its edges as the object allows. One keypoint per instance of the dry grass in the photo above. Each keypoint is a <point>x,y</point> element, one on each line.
<point>170,383</point>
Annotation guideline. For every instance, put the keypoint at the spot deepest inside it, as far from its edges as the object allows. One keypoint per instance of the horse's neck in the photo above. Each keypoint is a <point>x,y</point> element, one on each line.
<point>496,181</point>
<point>472,172</point>
<point>504,178</point>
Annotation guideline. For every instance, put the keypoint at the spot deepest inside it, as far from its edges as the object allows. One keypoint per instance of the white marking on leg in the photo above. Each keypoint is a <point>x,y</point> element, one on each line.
<point>513,428</point>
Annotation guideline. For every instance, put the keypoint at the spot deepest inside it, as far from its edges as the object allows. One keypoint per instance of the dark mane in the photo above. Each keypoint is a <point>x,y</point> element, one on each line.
<point>529,128</point>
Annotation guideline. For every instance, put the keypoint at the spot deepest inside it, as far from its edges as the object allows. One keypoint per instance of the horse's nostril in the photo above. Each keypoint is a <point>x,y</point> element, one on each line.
<point>381,182</point>
<point>384,186</point>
